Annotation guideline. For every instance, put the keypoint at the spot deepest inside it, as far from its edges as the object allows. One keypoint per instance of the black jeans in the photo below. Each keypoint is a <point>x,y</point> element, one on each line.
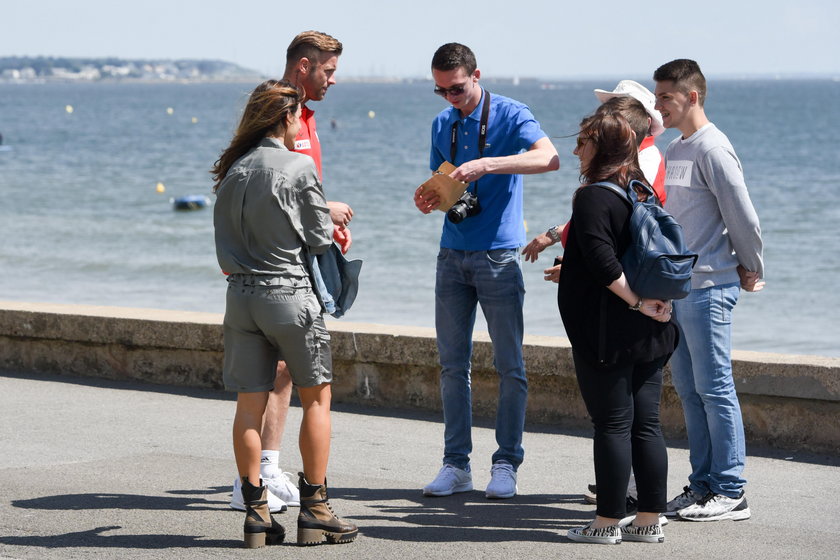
<point>623,403</point>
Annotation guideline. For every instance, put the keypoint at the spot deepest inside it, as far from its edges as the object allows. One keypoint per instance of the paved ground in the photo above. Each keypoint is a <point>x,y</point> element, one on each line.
<point>124,470</point>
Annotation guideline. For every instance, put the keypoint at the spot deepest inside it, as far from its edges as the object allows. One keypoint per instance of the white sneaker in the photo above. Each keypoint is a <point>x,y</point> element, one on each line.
<point>502,481</point>
<point>716,507</point>
<point>281,486</point>
<point>449,480</point>
<point>687,498</point>
<point>275,504</point>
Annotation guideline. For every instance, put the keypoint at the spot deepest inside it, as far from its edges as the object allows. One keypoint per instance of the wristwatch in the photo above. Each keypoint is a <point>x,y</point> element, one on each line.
<point>554,234</point>
<point>636,307</point>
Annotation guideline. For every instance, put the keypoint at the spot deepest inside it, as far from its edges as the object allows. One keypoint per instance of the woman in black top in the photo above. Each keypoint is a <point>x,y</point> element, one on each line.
<point>620,342</point>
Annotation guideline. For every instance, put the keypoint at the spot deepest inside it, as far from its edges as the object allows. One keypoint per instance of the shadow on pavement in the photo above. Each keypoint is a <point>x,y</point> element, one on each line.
<point>407,515</point>
<point>95,539</point>
<point>192,500</point>
<point>128,501</point>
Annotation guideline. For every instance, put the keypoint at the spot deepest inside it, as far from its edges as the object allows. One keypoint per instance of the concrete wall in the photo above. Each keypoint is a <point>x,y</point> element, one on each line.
<point>787,401</point>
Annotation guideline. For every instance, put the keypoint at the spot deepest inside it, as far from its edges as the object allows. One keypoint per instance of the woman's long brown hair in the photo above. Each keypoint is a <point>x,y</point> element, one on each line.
<point>616,156</point>
<point>270,104</point>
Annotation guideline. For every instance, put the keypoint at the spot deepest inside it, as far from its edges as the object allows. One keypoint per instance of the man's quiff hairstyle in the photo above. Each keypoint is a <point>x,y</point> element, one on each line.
<point>310,44</point>
<point>686,75</point>
<point>454,55</point>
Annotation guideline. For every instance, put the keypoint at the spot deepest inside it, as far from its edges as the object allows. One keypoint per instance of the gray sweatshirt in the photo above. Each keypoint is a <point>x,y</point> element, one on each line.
<point>707,195</point>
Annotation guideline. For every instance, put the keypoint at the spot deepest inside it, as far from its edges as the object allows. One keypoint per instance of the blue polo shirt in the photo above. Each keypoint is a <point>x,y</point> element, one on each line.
<point>511,129</point>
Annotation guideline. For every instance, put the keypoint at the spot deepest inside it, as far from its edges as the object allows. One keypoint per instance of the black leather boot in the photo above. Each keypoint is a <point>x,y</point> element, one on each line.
<point>317,520</point>
<point>260,527</point>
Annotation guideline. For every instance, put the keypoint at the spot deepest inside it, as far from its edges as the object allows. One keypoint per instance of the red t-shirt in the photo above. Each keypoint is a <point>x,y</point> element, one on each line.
<point>658,183</point>
<point>306,141</point>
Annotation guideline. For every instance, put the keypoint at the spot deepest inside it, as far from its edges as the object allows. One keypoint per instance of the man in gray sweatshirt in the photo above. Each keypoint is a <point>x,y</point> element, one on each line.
<point>707,195</point>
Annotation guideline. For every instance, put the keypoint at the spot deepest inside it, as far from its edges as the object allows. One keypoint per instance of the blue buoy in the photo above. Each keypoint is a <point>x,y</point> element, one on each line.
<point>191,202</point>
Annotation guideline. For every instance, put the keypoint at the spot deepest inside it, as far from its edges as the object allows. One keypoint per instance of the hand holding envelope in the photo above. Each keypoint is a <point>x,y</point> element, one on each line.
<point>440,192</point>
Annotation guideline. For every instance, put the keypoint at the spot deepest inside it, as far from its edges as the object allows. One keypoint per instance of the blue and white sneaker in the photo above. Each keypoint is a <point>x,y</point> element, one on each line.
<point>449,480</point>
<point>502,481</point>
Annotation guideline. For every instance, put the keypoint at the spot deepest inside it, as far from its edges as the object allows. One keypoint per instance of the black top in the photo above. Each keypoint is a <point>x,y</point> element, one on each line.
<point>599,324</point>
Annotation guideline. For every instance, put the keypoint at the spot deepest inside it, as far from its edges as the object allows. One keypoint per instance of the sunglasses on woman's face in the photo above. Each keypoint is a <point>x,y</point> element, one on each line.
<point>454,90</point>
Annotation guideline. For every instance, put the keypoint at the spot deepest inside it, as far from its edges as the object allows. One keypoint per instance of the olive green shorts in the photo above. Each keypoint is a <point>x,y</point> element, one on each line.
<point>268,323</point>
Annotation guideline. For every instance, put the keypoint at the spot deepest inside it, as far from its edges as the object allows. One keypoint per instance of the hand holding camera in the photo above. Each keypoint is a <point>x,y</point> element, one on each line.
<point>440,192</point>
<point>467,205</point>
<point>446,193</point>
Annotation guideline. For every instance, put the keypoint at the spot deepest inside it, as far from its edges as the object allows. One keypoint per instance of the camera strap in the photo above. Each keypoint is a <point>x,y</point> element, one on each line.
<point>482,132</point>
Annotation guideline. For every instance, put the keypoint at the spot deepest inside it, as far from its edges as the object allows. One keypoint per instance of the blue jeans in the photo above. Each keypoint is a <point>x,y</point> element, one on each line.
<point>494,280</point>
<point>701,368</point>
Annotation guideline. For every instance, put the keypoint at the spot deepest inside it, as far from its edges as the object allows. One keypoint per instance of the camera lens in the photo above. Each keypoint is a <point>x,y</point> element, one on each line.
<point>457,213</point>
<point>466,206</point>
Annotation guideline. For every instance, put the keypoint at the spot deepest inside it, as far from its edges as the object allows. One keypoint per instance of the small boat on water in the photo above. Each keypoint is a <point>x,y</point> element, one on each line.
<point>190,202</point>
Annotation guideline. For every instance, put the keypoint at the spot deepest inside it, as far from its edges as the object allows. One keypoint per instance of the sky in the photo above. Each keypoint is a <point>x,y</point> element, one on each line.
<point>549,39</point>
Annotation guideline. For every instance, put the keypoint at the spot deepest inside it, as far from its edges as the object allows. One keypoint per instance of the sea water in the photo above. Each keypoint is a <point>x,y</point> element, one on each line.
<point>82,221</point>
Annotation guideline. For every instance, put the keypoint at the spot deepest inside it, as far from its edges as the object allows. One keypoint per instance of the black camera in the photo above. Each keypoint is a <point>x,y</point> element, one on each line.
<point>465,207</point>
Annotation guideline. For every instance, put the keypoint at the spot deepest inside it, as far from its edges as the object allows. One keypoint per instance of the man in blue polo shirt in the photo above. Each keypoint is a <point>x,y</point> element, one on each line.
<point>479,261</point>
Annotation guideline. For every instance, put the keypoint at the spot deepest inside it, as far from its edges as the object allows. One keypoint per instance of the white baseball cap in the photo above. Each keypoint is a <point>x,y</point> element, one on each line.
<point>629,88</point>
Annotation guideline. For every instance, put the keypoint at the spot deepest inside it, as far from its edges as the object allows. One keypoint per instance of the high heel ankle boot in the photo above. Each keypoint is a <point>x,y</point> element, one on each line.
<point>317,520</point>
<point>260,527</point>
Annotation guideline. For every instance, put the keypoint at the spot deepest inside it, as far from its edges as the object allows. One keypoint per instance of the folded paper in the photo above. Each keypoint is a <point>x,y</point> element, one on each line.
<point>449,190</point>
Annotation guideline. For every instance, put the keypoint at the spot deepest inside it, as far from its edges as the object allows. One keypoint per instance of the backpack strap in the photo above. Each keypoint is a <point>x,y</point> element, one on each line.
<point>635,186</point>
<point>631,194</point>
<point>616,189</point>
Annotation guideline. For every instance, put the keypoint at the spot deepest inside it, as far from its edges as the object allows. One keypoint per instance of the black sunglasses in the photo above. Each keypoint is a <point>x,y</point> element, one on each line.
<point>454,90</point>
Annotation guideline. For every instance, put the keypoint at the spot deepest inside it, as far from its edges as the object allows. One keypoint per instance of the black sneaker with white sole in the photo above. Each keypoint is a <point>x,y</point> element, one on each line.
<point>688,498</point>
<point>717,507</point>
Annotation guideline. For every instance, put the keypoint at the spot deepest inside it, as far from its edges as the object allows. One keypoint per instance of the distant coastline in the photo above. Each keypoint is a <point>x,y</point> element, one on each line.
<point>41,69</point>
<point>49,69</point>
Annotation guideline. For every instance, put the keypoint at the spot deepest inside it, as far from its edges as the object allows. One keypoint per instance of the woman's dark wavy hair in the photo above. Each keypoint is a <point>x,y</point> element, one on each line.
<point>616,156</point>
<point>270,104</point>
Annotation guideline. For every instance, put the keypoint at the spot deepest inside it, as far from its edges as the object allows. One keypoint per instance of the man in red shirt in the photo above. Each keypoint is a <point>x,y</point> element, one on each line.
<point>311,62</point>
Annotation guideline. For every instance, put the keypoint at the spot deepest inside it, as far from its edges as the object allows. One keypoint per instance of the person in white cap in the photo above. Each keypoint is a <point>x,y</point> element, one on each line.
<point>635,103</point>
<point>648,125</point>
<point>650,158</point>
